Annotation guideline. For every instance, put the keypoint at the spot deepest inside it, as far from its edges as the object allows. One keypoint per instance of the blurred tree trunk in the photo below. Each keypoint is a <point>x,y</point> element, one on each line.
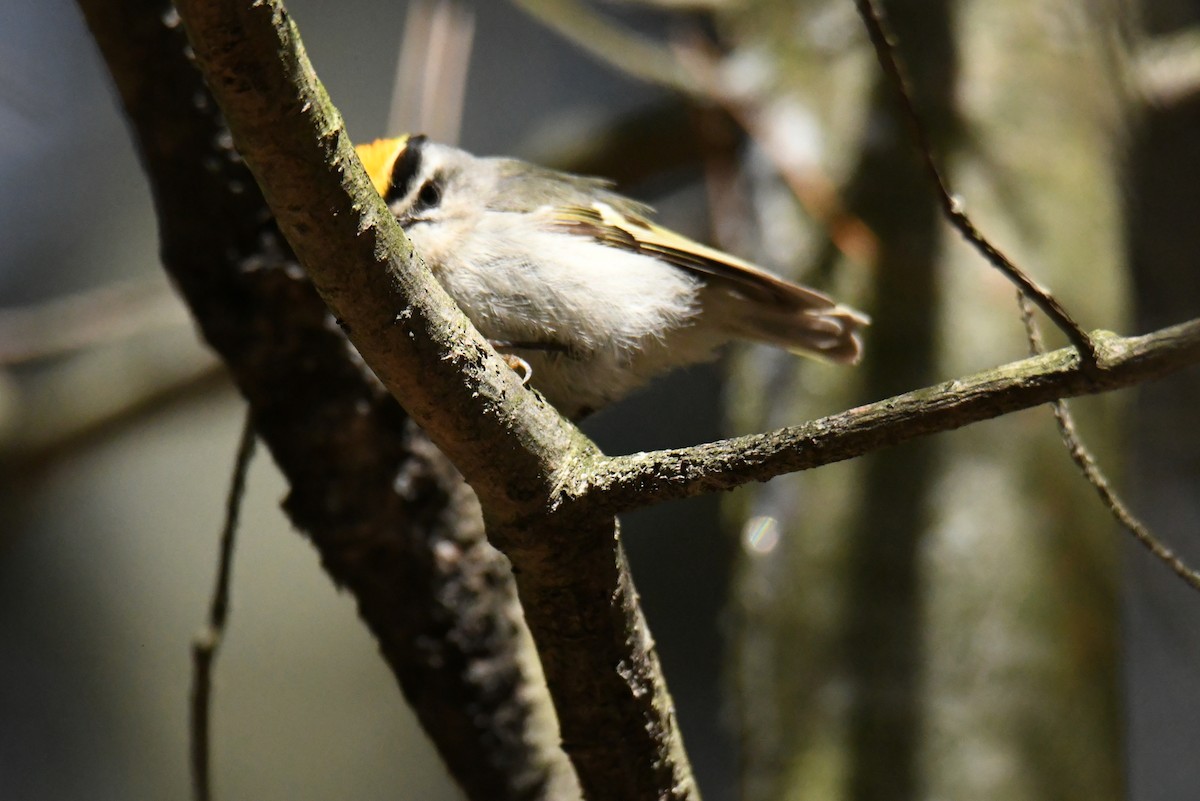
<point>1163,194</point>
<point>939,620</point>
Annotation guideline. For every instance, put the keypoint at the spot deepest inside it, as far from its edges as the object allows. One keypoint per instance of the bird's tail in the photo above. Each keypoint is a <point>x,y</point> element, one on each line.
<point>796,318</point>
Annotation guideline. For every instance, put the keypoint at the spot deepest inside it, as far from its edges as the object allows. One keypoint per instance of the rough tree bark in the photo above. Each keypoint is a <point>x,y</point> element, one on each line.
<point>392,520</point>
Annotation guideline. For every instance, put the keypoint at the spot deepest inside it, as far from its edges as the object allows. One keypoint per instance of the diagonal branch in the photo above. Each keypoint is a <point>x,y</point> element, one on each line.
<point>623,483</point>
<point>629,52</point>
<point>391,519</point>
<point>506,442</point>
<point>615,713</point>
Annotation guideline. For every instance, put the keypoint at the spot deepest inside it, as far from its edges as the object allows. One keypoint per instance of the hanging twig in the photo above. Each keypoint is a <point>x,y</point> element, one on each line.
<point>885,50</point>
<point>208,640</point>
<point>1087,464</point>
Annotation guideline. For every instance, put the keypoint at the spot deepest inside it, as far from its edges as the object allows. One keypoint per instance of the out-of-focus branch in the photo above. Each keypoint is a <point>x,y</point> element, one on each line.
<point>1168,68</point>
<point>431,71</point>
<point>112,355</point>
<point>94,317</point>
<point>629,52</point>
<point>101,391</point>
<point>681,5</point>
<point>631,482</point>
<point>770,123</point>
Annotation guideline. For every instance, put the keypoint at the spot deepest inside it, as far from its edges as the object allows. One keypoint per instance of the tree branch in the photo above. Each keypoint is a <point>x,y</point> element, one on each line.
<point>1166,69</point>
<point>619,484</point>
<point>93,317</point>
<point>507,442</point>
<point>616,716</point>
<point>389,516</point>
<point>548,496</point>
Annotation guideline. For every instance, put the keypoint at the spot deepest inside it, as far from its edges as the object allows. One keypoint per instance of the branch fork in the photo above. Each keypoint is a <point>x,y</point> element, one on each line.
<point>549,496</point>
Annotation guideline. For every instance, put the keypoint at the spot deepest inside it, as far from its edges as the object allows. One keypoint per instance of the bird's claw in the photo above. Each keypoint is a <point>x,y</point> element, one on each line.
<point>519,366</point>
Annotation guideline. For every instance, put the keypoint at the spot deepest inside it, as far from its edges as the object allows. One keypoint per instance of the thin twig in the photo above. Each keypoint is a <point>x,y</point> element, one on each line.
<point>208,640</point>
<point>885,50</point>
<point>1083,458</point>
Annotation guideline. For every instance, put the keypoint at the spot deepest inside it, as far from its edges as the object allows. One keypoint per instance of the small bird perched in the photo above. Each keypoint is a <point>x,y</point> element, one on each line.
<point>578,284</point>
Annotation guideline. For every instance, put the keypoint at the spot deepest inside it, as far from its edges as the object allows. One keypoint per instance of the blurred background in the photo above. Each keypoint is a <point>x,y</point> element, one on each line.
<point>954,619</point>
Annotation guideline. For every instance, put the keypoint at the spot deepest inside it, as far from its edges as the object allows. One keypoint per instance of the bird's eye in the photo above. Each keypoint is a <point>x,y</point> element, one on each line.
<point>429,196</point>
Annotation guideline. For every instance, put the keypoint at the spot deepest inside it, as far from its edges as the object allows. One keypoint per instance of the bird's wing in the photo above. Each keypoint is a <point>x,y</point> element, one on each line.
<point>635,233</point>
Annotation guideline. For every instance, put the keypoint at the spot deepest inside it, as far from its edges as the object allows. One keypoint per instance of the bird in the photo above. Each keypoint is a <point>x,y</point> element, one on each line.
<point>577,286</point>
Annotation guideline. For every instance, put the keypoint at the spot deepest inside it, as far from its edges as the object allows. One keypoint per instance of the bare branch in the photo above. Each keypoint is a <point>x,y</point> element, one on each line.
<point>66,407</point>
<point>507,443</point>
<point>208,640</point>
<point>622,483</point>
<point>1167,69</point>
<point>885,50</point>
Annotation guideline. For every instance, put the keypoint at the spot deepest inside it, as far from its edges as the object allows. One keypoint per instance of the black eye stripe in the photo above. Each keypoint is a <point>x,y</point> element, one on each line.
<point>405,170</point>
